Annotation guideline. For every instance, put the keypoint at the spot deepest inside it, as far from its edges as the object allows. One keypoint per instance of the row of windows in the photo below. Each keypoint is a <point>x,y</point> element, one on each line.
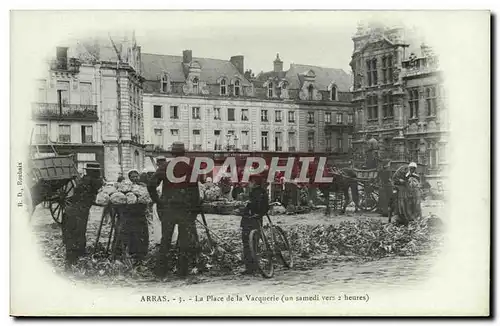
<point>231,115</point>
<point>372,71</point>
<point>64,94</point>
<point>64,134</point>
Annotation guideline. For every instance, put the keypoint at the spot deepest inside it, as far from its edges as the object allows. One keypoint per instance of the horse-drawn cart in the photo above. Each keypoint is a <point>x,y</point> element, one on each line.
<point>368,188</point>
<point>52,180</point>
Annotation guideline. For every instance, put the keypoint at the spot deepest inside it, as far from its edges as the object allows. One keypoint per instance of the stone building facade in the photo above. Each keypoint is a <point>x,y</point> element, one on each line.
<point>399,99</point>
<point>212,104</point>
<point>90,105</point>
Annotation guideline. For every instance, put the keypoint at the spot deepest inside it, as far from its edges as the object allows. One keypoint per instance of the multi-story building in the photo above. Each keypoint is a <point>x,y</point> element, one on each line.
<point>398,98</point>
<point>212,104</point>
<point>90,105</point>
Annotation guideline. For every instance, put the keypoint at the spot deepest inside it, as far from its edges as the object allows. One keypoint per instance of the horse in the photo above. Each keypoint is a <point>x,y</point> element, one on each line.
<point>343,180</point>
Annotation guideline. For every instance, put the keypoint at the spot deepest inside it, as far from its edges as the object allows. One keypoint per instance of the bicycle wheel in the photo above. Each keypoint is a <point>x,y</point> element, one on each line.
<point>261,253</point>
<point>282,246</point>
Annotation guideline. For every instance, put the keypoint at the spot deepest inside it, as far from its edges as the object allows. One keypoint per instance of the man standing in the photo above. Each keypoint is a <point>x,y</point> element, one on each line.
<point>252,215</point>
<point>76,215</point>
<point>178,205</point>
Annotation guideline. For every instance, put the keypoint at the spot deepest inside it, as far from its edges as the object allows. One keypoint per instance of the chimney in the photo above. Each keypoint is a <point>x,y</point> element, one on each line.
<point>278,64</point>
<point>238,62</point>
<point>187,56</point>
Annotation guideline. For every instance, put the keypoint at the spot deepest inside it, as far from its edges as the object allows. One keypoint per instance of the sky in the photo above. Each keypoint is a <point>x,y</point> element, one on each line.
<point>258,37</point>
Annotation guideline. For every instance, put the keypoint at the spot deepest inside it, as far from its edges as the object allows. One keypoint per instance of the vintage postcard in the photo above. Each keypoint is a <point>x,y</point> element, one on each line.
<point>259,163</point>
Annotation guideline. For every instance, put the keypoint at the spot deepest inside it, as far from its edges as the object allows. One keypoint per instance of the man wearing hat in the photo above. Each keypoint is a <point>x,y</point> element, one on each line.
<point>253,213</point>
<point>76,215</point>
<point>178,205</point>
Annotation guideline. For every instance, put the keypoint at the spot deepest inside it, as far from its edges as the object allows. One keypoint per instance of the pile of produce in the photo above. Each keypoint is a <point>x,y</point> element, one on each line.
<point>124,192</point>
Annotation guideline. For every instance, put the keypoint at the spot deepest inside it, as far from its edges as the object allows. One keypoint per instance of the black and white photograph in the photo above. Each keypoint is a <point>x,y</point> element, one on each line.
<point>259,163</point>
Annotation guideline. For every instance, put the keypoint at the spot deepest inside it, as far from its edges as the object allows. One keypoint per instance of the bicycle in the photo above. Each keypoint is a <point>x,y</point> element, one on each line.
<point>274,244</point>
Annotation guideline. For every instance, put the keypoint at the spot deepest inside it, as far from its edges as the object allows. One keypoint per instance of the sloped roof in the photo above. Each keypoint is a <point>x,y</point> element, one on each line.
<point>211,69</point>
<point>324,76</point>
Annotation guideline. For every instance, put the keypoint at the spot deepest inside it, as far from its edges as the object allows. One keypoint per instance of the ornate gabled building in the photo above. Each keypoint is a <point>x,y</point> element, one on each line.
<point>398,98</point>
<point>90,105</point>
<point>212,104</point>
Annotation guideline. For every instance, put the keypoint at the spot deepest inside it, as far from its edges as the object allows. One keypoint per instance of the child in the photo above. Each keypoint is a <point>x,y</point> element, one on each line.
<point>252,214</point>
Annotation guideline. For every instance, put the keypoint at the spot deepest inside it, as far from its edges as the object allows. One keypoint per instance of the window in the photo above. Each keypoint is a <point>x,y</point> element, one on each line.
<point>270,90</point>
<point>157,111</point>
<point>310,117</point>
<point>387,69</point>
<point>333,93</point>
<point>349,141</point>
<point>196,113</point>
<point>442,153</point>
<point>174,112</point>
<point>278,139</point>
<point>41,134</point>
<point>42,92</point>
<point>217,140</point>
<point>328,117</point>
<point>244,114</point>
<point>388,110</point>
<point>245,140</point>
<point>264,140</point>
<point>371,67</point>
<point>310,141</point>
<point>175,134</point>
<point>350,118</point>
<point>277,116</point>
<point>433,155</point>
<point>430,101</point>
<point>216,113</point>
<point>310,90</point>
<point>230,114</point>
<point>372,107</point>
<point>82,159</point>
<point>63,93</point>
<point>291,141</point>
<point>291,116</point>
<point>158,141</point>
<point>339,143</point>
<point>237,88</point>
<point>413,103</point>
<point>64,133</point>
<point>339,118</point>
<point>196,139</point>
<point>164,84</point>
<point>328,138</point>
<point>263,115</point>
<point>87,134</point>
<point>223,87</point>
<point>195,85</point>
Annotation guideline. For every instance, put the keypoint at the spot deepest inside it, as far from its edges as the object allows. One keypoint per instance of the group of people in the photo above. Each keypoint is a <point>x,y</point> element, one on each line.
<point>176,204</point>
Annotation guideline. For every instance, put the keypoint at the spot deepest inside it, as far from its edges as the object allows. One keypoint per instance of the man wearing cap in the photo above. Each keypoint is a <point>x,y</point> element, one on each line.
<point>76,215</point>
<point>253,213</point>
<point>178,205</point>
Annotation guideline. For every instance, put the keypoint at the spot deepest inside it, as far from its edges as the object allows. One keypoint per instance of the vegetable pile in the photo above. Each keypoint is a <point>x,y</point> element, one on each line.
<point>124,192</point>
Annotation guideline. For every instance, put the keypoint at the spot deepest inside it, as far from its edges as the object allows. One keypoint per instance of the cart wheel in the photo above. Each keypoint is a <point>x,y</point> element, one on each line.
<point>59,202</point>
<point>282,246</point>
<point>261,253</point>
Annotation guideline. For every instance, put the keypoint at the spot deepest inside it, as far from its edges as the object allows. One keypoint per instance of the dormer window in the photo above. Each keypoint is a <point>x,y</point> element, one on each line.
<point>237,88</point>
<point>310,90</point>
<point>270,92</point>
<point>195,85</point>
<point>164,84</point>
<point>333,94</point>
<point>223,87</point>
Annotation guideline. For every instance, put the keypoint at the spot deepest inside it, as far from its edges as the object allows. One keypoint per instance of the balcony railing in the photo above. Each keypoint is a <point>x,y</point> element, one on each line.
<point>63,64</point>
<point>245,147</point>
<point>218,147</point>
<point>279,148</point>
<point>291,148</point>
<point>68,111</point>
<point>197,147</point>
